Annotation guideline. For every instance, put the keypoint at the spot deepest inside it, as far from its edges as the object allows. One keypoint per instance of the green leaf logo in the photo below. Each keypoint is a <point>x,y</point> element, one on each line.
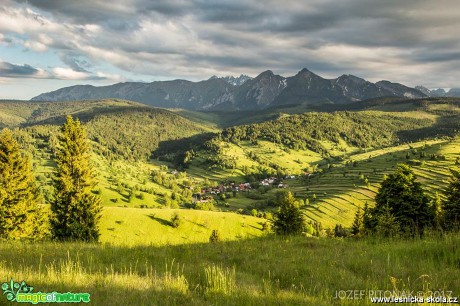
<point>12,289</point>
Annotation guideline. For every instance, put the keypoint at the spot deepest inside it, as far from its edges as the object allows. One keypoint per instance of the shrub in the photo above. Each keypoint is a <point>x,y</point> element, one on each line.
<point>175,220</point>
<point>215,236</point>
<point>204,205</point>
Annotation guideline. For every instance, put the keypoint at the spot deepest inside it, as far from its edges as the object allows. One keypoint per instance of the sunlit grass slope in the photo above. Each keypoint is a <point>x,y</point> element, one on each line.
<point>136,226</point>
<point>342,189</point>
<point>262,271</point>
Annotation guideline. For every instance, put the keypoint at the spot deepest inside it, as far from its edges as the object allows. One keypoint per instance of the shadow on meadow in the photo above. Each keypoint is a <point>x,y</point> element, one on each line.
<point>160,220</point>
<point>269,270</point>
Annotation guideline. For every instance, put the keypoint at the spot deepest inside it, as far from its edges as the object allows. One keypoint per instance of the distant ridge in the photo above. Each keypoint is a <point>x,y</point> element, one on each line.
<point>241,93</point>
<point>236,81</point>
<point>440,92</point>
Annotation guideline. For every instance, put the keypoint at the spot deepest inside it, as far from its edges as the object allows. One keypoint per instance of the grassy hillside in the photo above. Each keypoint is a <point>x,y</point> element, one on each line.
<point>349,184</point>
<point>136,226</point>
<point>262,271</point>
<point>337,186</point>
<point>347,155</point>
<point>347,152</point>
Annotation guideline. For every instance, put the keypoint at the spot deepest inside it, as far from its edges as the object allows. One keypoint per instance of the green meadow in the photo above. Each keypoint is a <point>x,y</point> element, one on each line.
<point>144,181</point>
<point>267,270</point>
<point>137,226</point>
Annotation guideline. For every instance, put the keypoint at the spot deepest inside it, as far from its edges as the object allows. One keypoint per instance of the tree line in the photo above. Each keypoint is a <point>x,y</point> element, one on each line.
<point>402,209</point>
<point>75,209</point>
<point>307,131</point>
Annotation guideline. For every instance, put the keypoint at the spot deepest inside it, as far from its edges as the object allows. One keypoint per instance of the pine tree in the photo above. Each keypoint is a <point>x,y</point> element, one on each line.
<point>387,225</point>
<point>406,201</point>
<point>451,206</point>
<point>368,222</point>
<point>20,215</point>
<point>76,210</point>
<point>289,219</point>
<point>357,228</point>
<point>437,210</point>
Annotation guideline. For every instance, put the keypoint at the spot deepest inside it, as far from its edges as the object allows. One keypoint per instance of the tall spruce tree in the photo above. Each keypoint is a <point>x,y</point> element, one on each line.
<point>451,205</point>
<point>76,210</point>
<point>387,226</point>
<point>368,222</point>
<point>404,199</point>
<point>436,206</point>
<point>357,228</point>
<point>20,215</point>
<point>289,219</point>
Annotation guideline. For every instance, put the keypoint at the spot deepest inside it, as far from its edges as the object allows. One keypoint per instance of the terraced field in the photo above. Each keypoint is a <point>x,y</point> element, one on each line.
<point>341,190</point>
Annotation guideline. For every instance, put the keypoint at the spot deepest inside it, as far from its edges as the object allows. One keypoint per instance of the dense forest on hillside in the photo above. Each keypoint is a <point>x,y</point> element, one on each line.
<point>306,131</point>
<point>24,113</point>
<point>134,134</point>
<point>119,129</point>
<point>393,103</point>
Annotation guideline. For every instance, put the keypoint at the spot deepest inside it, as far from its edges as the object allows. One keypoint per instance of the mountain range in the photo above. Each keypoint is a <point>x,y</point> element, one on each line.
<point>242,93</point>
<point>440,92</point>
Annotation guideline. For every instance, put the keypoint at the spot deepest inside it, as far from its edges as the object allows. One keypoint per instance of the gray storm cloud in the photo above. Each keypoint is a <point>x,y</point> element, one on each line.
<point>412,41</point>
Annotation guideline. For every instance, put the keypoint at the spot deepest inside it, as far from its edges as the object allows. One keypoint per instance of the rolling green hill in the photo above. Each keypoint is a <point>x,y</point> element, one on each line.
<point>136,226</point>
<point>150,162</point>
<point>28,113</point>
<point>340,190</point>
<point>345,152</point>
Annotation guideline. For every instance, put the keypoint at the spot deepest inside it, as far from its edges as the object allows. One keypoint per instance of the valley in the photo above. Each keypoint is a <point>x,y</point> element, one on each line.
<point>332,162</point>
<point>169,179</point>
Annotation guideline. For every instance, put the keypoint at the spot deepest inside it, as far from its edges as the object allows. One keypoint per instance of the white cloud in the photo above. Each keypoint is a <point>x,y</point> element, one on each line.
<point>195,40</point>
<point>69,74</point>
<point>35,46</point>
<point>110,77</point>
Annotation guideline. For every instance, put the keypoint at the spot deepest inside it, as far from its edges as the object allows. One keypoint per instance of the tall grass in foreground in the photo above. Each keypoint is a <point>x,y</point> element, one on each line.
<point>220,280</point>
<point>263,271</point>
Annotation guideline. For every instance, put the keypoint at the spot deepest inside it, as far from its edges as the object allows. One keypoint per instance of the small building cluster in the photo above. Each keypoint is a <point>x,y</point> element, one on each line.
<point>226,187</point>
<point>207,193</point>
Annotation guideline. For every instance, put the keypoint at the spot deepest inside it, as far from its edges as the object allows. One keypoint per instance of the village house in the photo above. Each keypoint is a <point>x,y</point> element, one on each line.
<point>229,187</point>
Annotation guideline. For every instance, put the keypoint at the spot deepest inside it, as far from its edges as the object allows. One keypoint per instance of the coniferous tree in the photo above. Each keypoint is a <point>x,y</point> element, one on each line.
<point>289,219</point>
<point>437,211</point>
<point>367,218</point>
<point>387,225</point>
<point>451,206</point>
<point>406,202</point>
<point>357,228</point>
<point>20,215</point>
<point>340,231</point>
<point>76,210</point>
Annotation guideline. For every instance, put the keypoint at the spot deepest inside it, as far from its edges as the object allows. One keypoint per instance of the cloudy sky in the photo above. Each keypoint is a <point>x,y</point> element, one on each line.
<point>49,44</point>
